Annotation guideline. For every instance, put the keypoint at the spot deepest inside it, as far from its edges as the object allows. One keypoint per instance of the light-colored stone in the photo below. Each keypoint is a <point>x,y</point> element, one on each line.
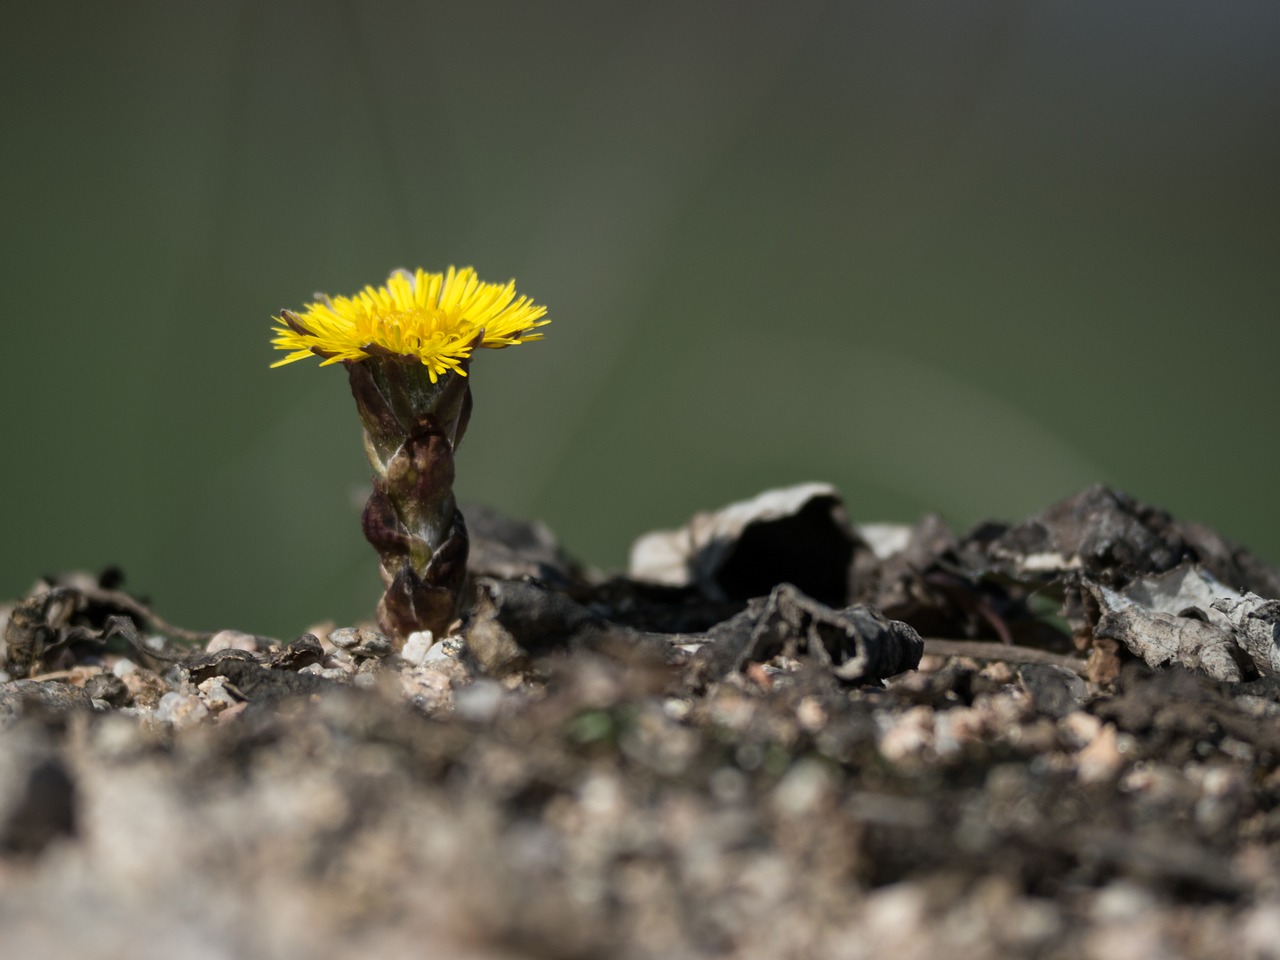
<point>416,647</point>
<point>1079,728</point>
<point>1102,759</point>
<point>216,696</point>
<point>811,715</point>
<point>908,735</point>
<point>804,790</point>
<point>232,640</point>
<point>478,702</point>
<point>181,710</point>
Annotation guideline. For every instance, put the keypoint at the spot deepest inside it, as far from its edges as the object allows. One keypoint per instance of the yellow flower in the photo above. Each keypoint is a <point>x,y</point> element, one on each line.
<point>436,319</point>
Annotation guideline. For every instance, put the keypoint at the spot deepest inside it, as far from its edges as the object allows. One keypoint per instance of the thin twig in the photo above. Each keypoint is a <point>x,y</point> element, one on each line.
<point>118,598</point>
<point>986,650</point>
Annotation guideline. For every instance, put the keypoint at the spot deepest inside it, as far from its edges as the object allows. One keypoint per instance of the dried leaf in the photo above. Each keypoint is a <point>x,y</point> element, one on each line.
<point>794,535</point>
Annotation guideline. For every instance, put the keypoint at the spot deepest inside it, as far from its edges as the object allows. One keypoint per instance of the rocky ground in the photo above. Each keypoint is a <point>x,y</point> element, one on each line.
<point>742,748</point>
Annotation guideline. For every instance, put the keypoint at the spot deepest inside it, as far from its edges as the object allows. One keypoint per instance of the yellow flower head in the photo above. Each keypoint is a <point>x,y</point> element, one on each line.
<point>436,319</point>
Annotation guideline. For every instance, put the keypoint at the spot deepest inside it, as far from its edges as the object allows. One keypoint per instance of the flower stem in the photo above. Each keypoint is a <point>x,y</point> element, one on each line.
<point>412,426</point>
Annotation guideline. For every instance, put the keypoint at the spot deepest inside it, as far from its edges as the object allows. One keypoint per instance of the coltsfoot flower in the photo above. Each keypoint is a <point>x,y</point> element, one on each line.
<point>406,346</point>
<point>434,318</point>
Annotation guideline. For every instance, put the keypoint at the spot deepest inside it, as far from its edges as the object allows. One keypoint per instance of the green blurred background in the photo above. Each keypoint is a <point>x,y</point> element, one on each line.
<point>966,258</point>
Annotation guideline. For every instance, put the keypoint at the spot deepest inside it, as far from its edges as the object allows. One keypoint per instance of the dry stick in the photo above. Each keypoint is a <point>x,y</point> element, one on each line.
<point>985,650</point>
<point>125,602</point>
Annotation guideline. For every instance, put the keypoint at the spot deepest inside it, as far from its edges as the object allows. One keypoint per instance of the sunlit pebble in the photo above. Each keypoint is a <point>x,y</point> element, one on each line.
<point>1102,759</point>
<point>1011,707</point>
<point>600,795</point>
<point>893,917</point>
<point>1215,781</point>
<point>478,702</point>
<point>114,736</point>
<point>732,709</point>
<point>1219,788</point>
<point>215,695</point>
<point>344,638</point>
<point>954,728</point>
<point>181,710</point>
<point>676,709</point>
<point>339,672</point>
<point>450,648</point>
<point>1258,706</point>
<point>999,672</point>
<point>758,675</point>
<point>728,785</point>
<point>1079,728</point>
<point>430,689</point>
<point>1236,749</point>
<point>1142,938</point>
<point>232,712</point>
<point>232,640</point>
<point>1120,901</point>
<point>909,734</point>
<point>804,789</point>
<point>373,645</point>
<point>416,647</point>
<point>1260,930</point>
<point>361,641</point>
<point>145,687</point>
<point>810,714</point>
<point>1156,783</point>
<point>931,662</point>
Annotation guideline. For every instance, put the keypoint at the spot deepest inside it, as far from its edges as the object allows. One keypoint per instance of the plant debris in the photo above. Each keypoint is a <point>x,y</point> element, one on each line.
<point>797,535</point>
<point>1079,758</point>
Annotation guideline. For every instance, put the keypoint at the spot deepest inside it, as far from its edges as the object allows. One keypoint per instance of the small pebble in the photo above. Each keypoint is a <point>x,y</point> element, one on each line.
<point>344,637</point>
<point>805,788</point>
<point>108,688</point>
<point>360,642</point>
<point>478,702</point>
<point>811,715</point>
<point>1102,759</point>
<point>216,696</point>
<point>181,710</point>
<point>909,734</point>
<point>1079,728</point>
<point>729,785</point>
<point>232,640</point>
<point>1121,900</point>
<point>429,689</point>
<point>373,644</point>
<point>329,673</point>
<point>416,647</point>
<point>444,650</point>
<point>677,709</point>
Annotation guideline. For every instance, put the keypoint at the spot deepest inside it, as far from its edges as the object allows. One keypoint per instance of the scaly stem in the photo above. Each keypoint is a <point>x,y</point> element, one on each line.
<point>411,429</point>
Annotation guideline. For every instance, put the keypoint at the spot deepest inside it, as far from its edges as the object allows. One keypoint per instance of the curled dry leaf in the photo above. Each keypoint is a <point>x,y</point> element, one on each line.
<point>797,535</point>
<point>1187,616</point>
<point>858,644</point>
